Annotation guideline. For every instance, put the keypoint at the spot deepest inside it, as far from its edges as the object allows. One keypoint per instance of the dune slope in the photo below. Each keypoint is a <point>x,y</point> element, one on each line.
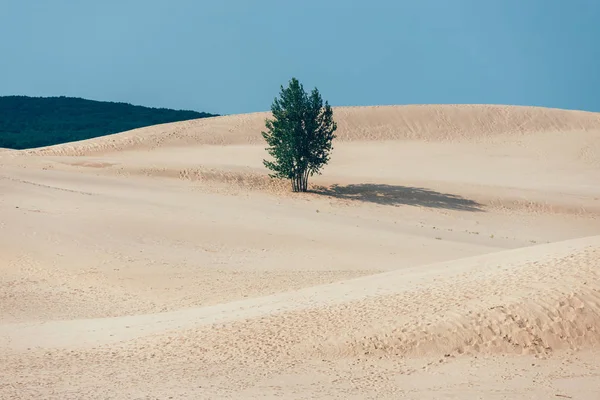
<point>506,157</point>
<point>533,301</point>
<point>554,301</point>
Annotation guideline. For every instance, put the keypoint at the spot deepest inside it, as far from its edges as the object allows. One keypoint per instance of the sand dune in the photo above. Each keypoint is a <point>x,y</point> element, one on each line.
<point>507,157</point>
<point>554,301</point>
<point>448,251</point>
<point>416,122</point>
<point>534,301</point>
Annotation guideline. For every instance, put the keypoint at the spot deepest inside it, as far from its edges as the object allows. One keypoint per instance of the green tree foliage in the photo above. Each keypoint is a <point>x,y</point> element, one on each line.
<point>300,135</point>
<point>28,122</point>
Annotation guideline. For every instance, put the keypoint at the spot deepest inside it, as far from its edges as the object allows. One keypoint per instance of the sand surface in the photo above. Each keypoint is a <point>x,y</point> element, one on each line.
<point>447,252</point>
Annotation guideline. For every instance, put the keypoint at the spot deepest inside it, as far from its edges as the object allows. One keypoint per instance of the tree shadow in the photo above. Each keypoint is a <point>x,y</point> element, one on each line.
<point>393,195</point>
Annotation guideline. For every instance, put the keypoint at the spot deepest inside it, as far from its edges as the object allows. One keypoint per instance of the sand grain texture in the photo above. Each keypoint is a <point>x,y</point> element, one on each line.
<point>446,252</point>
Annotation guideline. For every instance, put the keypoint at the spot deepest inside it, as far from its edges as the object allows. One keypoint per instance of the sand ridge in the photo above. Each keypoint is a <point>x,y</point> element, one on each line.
<point>411,122</point>
<point>372,321</point>
<point>574,278</point>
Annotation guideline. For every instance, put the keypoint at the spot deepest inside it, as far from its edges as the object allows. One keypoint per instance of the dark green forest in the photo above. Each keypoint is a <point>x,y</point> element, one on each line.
<point>28,122</point>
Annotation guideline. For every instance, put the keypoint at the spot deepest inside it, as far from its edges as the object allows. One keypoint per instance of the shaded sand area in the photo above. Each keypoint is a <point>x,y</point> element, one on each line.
<point>446,252</point>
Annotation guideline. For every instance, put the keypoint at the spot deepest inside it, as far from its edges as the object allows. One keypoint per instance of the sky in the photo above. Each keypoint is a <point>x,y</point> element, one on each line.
<point>232,56</point>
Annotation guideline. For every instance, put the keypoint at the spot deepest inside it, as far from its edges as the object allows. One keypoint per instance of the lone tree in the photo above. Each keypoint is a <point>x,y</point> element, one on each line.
<point>299,136</point>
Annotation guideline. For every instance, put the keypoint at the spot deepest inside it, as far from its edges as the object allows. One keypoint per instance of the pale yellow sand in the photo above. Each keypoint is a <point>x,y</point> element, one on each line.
<point>446,252</point>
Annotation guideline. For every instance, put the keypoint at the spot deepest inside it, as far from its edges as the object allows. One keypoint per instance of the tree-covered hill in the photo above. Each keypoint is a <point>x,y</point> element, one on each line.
<point>28,122</point>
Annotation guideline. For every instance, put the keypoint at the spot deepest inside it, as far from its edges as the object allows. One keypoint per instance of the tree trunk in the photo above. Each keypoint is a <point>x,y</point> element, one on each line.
<point>305,180</point>
<point>300,182</point>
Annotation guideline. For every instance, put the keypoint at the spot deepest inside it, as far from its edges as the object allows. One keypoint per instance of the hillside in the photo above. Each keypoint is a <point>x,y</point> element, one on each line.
<point>29,122</point>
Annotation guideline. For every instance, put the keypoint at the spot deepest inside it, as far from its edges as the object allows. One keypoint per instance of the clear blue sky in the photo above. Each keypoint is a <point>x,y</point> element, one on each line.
<point>231,56</point>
